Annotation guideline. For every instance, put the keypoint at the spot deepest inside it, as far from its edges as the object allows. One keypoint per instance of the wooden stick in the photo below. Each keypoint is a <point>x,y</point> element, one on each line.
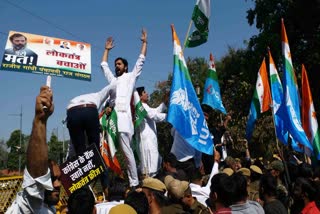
<point>185,40</point>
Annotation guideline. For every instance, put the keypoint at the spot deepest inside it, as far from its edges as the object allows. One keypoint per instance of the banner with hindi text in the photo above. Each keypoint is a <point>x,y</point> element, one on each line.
<point>82,170</point>
<point>37,54</point>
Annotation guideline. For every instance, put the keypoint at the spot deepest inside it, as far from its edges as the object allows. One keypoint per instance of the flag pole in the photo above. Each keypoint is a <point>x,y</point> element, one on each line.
<point>275,132</point>
<point>185,40</point>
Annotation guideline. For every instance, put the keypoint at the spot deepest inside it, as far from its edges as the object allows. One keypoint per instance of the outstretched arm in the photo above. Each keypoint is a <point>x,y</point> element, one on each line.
<point>104,65</point>
<point>144,42</point>
<point>37,151</point>
<point>226,120</point>
<point>108,46</point>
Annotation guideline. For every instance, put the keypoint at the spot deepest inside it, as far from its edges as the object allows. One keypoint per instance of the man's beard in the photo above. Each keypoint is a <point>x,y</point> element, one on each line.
<point>49,198</point>
<point>19,47</point>
<point>118,72</point>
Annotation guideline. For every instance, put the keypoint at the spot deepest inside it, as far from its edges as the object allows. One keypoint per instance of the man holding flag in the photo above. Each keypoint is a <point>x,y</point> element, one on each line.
<point>150,159</point>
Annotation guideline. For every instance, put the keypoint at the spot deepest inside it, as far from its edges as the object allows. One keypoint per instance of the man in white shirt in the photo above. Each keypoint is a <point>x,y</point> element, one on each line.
<point>202,193</point>
<point>150,160</point>
<point>41,179</point>
<point>83,118</point>
<point>121,94</point>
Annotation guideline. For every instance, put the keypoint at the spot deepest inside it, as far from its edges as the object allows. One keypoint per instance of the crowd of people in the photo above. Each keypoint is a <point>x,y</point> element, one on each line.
<point>184,180</point>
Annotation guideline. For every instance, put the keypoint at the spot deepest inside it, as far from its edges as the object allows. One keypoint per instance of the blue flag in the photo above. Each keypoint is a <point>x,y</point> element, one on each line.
<point>277,96</point>
<point>289,110</point>
<point>211,95</point>
<point>185,113</point>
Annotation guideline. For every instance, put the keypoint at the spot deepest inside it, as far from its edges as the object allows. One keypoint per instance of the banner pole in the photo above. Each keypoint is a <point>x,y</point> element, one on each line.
<point>185,40</point>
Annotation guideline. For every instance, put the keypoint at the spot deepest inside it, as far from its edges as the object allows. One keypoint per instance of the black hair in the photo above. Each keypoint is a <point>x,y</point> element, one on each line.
<point>307,187</point>
<point>138,201</point>
<point>221,184</point>
<point>124,61</point>
<point>269,184</point>
<point>196,175</point>
<point>160,198</point>
<point>81,201</point>
<point>117,189</point>
<point>239,192</point>
<point>140,90</point>
<point>16,35</point>
<point>170,158</point>
<point>305,170</point>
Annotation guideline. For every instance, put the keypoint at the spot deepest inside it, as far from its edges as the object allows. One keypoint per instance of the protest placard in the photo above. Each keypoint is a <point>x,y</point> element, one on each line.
<point>37,54</point>
<point>81,170</point>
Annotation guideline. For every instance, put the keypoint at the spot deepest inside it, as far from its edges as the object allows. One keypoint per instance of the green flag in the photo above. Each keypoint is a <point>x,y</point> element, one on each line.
<point>139,111</point>
<point>112,133</point>
<point>200,18</point>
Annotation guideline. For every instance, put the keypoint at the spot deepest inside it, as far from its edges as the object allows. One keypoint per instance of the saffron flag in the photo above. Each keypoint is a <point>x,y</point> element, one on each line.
<point>261,99</point>
<point>185,113</point>
<point>309,119</point>
<point>289,110</point>
<point>111,162</point>
<point>200,18</point>
<point>211,95</point>
<point>277,96</point>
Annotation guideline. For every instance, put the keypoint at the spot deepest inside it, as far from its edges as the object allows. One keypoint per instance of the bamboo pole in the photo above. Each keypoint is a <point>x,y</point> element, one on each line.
<point>185,40</point>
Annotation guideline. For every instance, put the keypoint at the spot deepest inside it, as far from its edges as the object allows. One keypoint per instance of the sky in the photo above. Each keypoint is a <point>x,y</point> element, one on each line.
<point>93,22</point>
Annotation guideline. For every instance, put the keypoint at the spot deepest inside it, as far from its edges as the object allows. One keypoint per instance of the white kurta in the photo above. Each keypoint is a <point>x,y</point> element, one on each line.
<point>30,199</point>
<point>149,154</point>
<point>121,93</point>
<point>202,193</point>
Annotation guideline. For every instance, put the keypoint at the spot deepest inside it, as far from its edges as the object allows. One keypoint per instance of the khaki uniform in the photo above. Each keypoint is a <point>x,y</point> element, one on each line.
<point>198,208</point>
<point>173,208</point>
<point>253,190</point>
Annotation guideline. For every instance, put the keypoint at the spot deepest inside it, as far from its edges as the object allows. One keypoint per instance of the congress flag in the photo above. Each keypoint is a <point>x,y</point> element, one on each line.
<point>309,119</point>
<point>261,99</point>
<point>185,113</point>
<point>289,110</point>
<point>200,18</point>
<point>211,95</point>
<point>139,112</point>
<point>109,141</point>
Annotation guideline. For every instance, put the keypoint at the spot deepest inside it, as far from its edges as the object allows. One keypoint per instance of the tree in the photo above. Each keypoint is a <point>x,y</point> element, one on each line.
<point>303,29</point>
<point>55,149</point>
<point>15,150</point>
<point>3,155</point>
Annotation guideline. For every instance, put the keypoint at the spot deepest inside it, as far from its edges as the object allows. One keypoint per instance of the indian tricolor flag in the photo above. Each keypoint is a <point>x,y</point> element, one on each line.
<point>261,99</point>
<point>309,119</point>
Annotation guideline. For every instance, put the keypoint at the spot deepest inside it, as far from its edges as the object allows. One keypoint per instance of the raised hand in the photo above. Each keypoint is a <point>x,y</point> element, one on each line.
<point>45,98</point>
<point>109,43</point>
<point>144,35</point>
